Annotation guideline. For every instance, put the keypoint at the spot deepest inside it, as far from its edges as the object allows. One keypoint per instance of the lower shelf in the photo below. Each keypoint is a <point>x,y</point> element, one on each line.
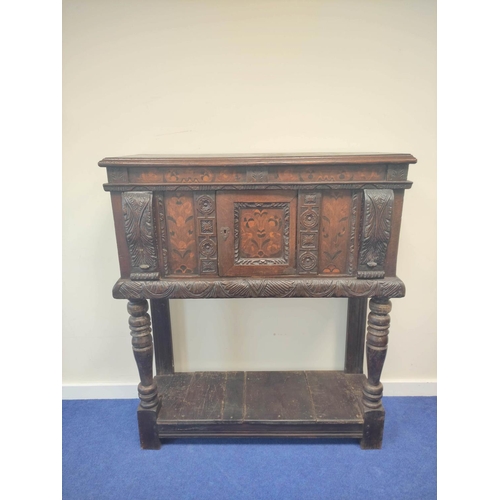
<point>260,404</point>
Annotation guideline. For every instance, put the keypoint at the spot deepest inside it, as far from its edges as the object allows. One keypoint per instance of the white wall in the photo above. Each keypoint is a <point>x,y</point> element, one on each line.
<point>215,76</point>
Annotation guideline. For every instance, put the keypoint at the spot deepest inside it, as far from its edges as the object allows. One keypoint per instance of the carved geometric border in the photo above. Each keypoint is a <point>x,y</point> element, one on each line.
<point>254,287</point>
<point>286,234</point>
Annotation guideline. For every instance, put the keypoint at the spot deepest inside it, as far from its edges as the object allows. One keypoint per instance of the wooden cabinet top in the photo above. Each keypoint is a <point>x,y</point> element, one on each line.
<point>256,159</point>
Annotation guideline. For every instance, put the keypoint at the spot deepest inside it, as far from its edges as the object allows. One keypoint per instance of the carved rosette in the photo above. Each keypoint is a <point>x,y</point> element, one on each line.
<point>139,232</point>
<point>308,234</point>
<point>207,233</point>
<point>375,232</point>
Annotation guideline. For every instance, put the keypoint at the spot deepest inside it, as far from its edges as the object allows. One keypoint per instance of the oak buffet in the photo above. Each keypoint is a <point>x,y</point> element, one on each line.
<point>303,225</point>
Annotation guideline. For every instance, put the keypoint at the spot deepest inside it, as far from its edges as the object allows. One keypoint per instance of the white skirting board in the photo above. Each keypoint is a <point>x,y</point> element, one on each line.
<point>129,391</point>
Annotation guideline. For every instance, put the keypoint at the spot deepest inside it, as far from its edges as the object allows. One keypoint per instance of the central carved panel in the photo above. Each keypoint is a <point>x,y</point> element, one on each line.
<point>262,233</point>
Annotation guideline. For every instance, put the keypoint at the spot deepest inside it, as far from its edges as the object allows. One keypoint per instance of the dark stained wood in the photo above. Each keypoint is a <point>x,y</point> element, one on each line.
<point>148,430</point>
<point>234,397</point>
<point>290,429</point>
<point>355,335</point>
<point>251,403</point>
<point>239,226</point>
<point>162,334</point>
<point>277,396</point>
<point>173,389</point>
<point>332,396</point>
<point>192,396</point>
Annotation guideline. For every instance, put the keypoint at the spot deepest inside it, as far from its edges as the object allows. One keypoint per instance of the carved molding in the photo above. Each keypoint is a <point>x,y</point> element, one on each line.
<point>375,232</point>
<point>138,217</point>
<point>253,287</point>
<point>285,243</point>
<point>356,195</point>
<point>144,276</point>
<point>244,187</point>
<point>308,234</point>
<point>162,231</point>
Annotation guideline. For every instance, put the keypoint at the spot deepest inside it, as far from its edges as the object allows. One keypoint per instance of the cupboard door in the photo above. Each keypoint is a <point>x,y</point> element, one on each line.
<point>257,233</point>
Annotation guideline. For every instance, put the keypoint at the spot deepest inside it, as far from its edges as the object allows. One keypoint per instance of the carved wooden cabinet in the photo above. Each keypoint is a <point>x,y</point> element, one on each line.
<point>315,225</point>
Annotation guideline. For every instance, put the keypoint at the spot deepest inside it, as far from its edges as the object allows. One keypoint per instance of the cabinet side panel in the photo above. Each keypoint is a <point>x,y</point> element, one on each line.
<point>121,239</point>
<point>335,232</point>
<point>181,234</point>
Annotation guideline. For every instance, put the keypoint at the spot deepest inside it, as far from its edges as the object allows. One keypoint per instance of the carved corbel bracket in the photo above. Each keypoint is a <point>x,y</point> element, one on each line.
<point>139,232</point>
<point>375,232</point>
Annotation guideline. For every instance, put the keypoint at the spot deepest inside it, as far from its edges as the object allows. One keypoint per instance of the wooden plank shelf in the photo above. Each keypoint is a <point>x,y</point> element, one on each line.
<point>260,404</point>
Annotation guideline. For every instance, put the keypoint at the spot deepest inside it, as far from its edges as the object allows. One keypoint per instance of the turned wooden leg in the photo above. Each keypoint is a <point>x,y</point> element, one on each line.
<point>376,349</point>
<point>142,345</point>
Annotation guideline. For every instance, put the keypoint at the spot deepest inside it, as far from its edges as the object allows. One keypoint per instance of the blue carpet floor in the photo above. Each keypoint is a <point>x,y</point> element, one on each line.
<point>102,459</point>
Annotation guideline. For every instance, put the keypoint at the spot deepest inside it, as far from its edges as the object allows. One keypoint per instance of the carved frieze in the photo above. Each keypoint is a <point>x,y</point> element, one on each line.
<point>259,287</point>
<point>375,232</point>
<point>139,232</point>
